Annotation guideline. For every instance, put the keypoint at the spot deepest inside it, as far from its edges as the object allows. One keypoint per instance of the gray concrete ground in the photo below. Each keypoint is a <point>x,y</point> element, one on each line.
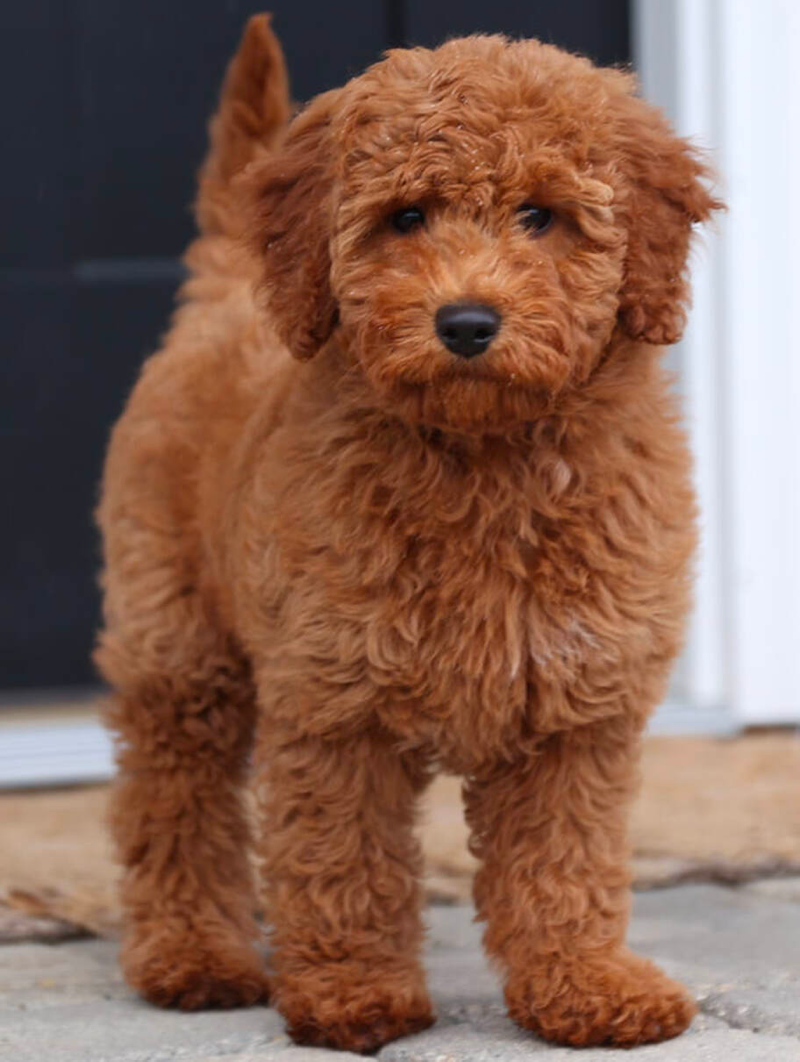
<point>739,950</point>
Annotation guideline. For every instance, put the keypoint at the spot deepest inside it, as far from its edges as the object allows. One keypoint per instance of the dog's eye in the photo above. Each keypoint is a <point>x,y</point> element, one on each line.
<point>535,219</point>
<point>407,219</point>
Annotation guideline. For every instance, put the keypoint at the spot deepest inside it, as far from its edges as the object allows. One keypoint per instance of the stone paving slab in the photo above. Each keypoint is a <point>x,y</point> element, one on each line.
<point>738,950</point>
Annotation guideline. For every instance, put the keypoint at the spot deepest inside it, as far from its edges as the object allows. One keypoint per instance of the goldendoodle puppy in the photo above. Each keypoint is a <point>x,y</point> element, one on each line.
<point>457,539</point>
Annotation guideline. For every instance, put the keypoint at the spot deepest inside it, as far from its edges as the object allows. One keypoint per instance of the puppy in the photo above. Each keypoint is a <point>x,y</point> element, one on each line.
<point>404,491</point>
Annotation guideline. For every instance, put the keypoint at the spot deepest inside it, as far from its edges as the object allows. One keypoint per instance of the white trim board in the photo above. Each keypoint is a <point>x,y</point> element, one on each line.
<point>727,74</point>
<point>54,753</point>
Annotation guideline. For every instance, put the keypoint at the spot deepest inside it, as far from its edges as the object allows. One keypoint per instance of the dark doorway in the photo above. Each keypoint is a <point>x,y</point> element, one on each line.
<point>105,106</point>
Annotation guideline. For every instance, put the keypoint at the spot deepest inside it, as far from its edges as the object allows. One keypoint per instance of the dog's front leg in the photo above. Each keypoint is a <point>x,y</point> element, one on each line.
<point>554,889</point>
<point>342,879</point>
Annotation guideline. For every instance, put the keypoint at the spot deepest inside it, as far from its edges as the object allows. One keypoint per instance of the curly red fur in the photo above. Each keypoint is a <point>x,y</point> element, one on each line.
<point>390,560</point>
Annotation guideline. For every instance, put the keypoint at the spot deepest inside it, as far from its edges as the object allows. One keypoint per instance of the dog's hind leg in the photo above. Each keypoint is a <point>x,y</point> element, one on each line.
<point>184,707</point>
<point>183,717</point>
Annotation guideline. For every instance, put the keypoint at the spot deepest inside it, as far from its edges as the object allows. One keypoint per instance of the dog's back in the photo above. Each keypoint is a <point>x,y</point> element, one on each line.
<point>168,451</point>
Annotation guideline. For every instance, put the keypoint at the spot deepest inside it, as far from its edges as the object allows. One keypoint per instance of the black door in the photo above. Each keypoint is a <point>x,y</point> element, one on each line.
<point>104,112</point>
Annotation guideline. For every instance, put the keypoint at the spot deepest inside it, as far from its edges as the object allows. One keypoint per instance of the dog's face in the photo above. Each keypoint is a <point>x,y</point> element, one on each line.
<point>475,224</point>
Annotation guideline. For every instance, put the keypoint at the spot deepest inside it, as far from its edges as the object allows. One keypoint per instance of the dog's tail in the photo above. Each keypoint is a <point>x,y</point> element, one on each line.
<point>254,106</point>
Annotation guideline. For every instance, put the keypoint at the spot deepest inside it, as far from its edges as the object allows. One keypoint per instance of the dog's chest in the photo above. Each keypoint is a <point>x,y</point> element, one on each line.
<point>498,608</point>
<point>471,603</point>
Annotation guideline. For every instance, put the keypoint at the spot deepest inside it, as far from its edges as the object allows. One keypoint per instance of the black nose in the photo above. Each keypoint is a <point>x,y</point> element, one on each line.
<point>466,328</point>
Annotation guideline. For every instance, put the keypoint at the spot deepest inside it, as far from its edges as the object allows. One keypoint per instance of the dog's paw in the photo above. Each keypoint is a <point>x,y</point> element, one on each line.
<point>350,1015</point>
<point>619,1000</point>
<point>187,974</point>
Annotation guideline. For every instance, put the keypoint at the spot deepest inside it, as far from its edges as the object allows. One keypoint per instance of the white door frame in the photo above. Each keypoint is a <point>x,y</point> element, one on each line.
<point>726,72</point>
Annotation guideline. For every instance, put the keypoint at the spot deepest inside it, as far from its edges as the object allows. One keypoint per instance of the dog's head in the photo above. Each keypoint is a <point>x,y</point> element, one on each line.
<point>475,224</point>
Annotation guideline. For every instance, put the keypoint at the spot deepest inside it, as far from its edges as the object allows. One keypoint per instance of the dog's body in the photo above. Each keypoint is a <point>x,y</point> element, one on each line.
<point>394,560</point>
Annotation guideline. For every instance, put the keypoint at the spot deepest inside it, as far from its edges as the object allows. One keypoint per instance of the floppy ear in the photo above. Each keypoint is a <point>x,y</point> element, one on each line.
<point>666,195</point>
<point>288,209</point>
